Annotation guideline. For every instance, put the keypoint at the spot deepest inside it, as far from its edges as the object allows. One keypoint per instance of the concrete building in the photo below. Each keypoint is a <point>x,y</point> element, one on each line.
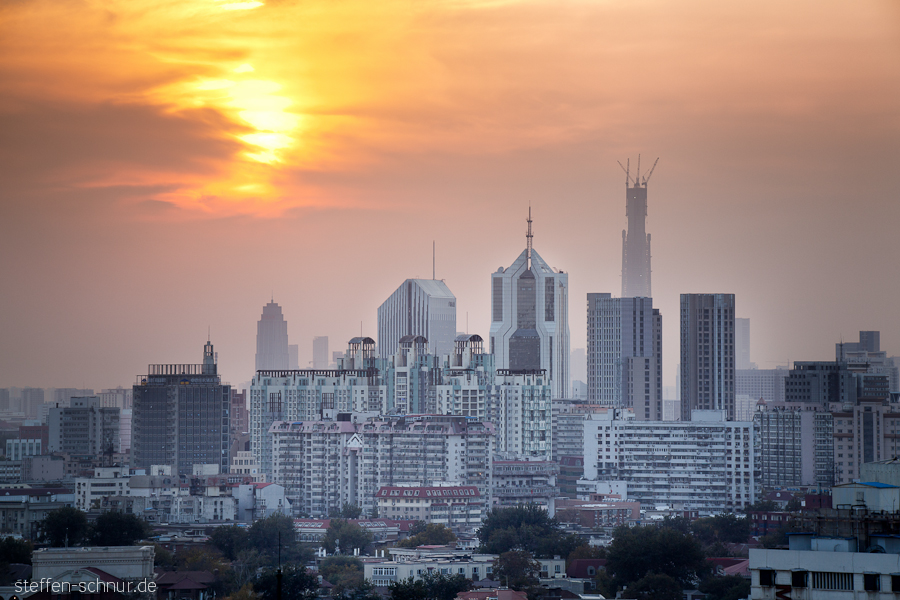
<point>116,398</point>
<point>796,447</point>
<point>742,345</point>
<point>707,353</point>
<point>625,354</point>
<point>272,339</point>
<point>23,508</point>
<point>518,480</point>
<point>865,432</point>
<point>821,383</point>
<point>31,401</point>
<point>181,416</point>
<point>422,307</point>
<point>636,241</point>
<point>84,427</point>
<point>18,449</point>
<point>461,508</point>
<point>73,565</point>
<point>761,384</point>
<point>521,409</point>
<point>706,464</point>
<point>261,500</point>
<point>530,318</point>
<point>324,464</point>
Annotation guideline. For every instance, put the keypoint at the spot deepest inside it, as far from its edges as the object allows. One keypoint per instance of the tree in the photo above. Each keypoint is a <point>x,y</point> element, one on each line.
<point>793,505</point>
<point>730,587</point>
<point>517,569</point>
<point>586,551</point>
<point>244,593</point>
<point>297,583</point>
<point>15,551</point>
<point>433,534</point>
<point>408,589</point>
<point>64,526</point>
<point>655,586</point>
<point>119,529</point>
<point>346,536</point>
<point>162,558</point>
<point>432,586</point>
<point>350,511</point>
<point>637,551</point>
<point>230,540</point>
<point>524,527</point>
<point>208,559</point>
<point>343,572</point>
<point>266,534</point>
<point>761,506</point>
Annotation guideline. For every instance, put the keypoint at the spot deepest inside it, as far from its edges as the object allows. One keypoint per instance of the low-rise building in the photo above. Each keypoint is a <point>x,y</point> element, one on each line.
<point>522,480</point>
<point>458,507</point>
<point>261,500</point>
<point>23,508</point>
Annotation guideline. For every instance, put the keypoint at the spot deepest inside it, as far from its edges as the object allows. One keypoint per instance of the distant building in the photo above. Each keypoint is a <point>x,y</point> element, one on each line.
<point>707,353</point>
<point>116,398</point>
<point>761,384</point>
<point>742,344</point>
<point>517,481</point>
<point>422,307</point>
<point>181,416</point>
<point>625,354</point>
<point>84,427</point>
<point>636,241</point>
<point>272,339</point>
<point>530,318</point>
<point>320,352</point>
<point>32,399</point>
<point>460,508</point>
<point>796,447</point>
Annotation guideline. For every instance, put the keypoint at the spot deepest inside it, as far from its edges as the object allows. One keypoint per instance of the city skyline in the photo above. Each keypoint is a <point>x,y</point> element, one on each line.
<point>776,180</point>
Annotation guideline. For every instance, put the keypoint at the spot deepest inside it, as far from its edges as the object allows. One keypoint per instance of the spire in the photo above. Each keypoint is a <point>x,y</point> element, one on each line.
<point>528,236</point>
<point>209,359</point>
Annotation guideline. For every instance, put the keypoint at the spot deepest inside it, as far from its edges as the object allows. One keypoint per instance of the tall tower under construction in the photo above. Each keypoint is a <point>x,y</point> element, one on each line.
<point>636,240</point>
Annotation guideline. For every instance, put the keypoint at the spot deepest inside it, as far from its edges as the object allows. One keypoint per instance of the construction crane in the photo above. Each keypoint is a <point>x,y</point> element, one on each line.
<point>647,178</point>
<point>628,178</point>
<point>636,181</point>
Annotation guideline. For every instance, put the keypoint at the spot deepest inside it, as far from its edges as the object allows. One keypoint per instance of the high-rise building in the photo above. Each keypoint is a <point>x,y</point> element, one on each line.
<point>530,318</point>
<point>424,307</point>
<point>32,399</point>
<point>293,356</point>
<point>625,354</point>
<point>272,339</point>
<point>742,344</point>
<point>320,352</point>
<point>181,416</point>
<point>84,427</point>
<point>636,241</point>
<point>761,384</point>
<point>707,353</point>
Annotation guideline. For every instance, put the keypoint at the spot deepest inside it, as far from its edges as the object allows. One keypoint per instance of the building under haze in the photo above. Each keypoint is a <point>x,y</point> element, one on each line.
<point>272,339</point>
<point>742,344</point>
<point>84,427</point>
<point>636,241</point>
<point>625,354</point>
<point>424,307</point>
<point>707,353</point>
<point>320,352</point>
<point>181,416</point>
<point>530,318</point>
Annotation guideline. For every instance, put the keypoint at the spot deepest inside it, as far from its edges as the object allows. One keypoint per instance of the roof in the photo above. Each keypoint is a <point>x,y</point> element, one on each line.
<point>492,594</point>
<point>436,288</point>
<point>460,491</point>
<point>578,568</point>
<point>102,575</point>
<point>169,579</point>
<point>874,484</point>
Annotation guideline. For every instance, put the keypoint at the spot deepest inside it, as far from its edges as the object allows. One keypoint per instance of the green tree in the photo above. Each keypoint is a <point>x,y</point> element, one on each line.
<point>432,534</point>
<point>206,558</point>
<point>64,526</point>
<point>638,551</point>
<point>761,506</point>
<point>15,551</point>
<point>524,527</point>
<point>586,551</point>
<point>266,534</point>
<point>343,572</point>
<point>408,589</point>
<point>432,586</point>
<point>297,583</point>
<point>730,587</point>
<point>162,558</point>
<point>347,536</point>
<point>655,586</point>
<point>517,569</point>
<point>119,529</point>
<point>230,540</point>
<point>350,511</point>
<point>244,593</point>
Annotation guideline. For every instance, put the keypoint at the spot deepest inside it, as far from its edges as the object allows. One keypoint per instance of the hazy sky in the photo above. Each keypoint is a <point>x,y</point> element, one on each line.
<point>168,166</point>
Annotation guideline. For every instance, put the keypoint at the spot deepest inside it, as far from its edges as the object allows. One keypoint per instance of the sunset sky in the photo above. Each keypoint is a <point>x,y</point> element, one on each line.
<point>169,166</point>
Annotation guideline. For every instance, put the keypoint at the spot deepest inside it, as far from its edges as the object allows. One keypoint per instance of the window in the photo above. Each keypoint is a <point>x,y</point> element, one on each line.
<point>766,577</point>
<point>799,579</point>
<point>832,581</point>
<point>871,582</point>
<point>895,583</point>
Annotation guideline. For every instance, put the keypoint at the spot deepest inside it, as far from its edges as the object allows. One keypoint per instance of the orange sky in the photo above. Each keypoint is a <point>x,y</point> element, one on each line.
<point>168,165</point>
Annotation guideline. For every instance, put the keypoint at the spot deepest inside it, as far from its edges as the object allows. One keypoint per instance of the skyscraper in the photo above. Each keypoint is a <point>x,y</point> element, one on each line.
<point>742,344</point>
<point>320,352</point>
<point>272,339</point>
<point>530,317</point>
<point>180,416</point>
<point>625,354</point>
<point>423,307</point>
<point>636,241</point>
<point>707,353</point>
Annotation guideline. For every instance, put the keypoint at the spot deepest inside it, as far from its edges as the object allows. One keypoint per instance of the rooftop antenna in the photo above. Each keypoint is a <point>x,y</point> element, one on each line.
<point>528,236</point>
<point>208,333</point>
<point>432,259</point>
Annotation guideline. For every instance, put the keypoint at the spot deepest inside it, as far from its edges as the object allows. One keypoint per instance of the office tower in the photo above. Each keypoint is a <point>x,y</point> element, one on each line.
<point>62,396</point>
<point>117,397</point>
<point>85,427</point>
<point>32,399</point>
<point>424,307</point>
<point>320,352</point>
<point>820,383</point>
<point>742,344</point>
<point>707,353</point>
<point>293,356</point>
<point>180,416</point>
<point>869,341</point>
<point>272,339</point>
<point>636,241</point>
<point>625,354</point>
<point>530,318</point>
<point>761,384</point>
<point>4,399</point>
<point>867,355</point>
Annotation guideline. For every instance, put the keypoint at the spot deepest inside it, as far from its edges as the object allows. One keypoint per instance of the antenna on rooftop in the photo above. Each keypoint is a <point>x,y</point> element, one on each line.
<point>528,236</point>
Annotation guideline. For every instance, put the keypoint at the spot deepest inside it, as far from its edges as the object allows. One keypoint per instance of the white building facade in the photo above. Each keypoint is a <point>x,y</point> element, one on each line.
<point>424,307</point>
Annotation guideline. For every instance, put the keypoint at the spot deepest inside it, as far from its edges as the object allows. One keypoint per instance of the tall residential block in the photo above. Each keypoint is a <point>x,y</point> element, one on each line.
<point>181,416</point>
<point>320,352</point>
<point>272,339</point>
<point>625,354</point>
<point>530,318</point>
<point>84,427</point>
<point>707,353</point>
<point>636,241</point>
<point>424,307</point>
<point>742,344</point>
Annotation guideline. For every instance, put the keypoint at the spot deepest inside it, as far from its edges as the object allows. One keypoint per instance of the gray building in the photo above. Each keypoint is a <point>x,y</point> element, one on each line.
<point>707,353</point>
<point>84,427</point>
<point>625,354</point>
<point>795,447</point>
<point>320,352</point>
<point>742,344</point>
<point>181,416</point>
<point>636,241</point>
<point>530,318</point>
<point>272,339</point>
<point>820,383</point>
<point>765,384</point>
<point>423,307</point>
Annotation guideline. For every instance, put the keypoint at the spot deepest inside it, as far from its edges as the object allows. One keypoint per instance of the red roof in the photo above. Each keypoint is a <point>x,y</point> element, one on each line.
<point>578,568</point>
